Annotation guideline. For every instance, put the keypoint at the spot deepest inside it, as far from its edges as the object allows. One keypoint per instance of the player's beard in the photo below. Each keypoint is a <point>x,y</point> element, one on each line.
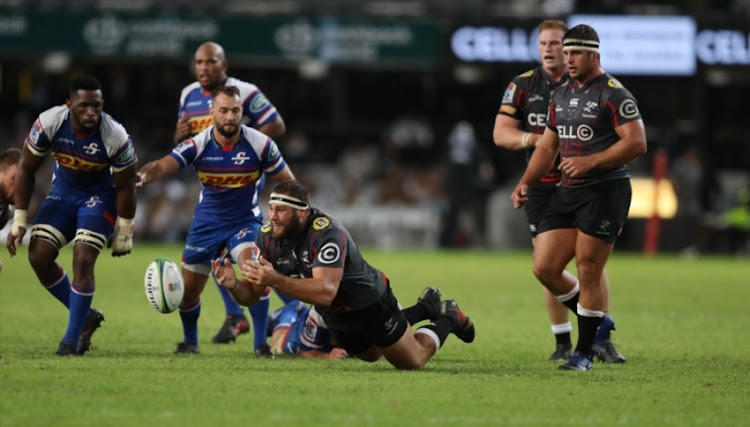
<point>291,230</point>
<point>228,130</point>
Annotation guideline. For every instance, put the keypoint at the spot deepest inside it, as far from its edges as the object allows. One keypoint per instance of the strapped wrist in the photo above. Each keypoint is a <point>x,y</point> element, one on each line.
<point>19,220</point>
<point>525,139</point>
<point>125,224</point>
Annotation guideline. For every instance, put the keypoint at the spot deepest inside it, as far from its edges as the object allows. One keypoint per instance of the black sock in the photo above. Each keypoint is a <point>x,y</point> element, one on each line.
<point>442,327</point>
<point>416,313</point>
<point>572,303</point>
<point>587,327</point>
<point>563,338</point>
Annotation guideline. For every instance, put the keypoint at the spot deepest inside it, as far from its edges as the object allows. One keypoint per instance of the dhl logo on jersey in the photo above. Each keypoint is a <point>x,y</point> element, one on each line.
<point>199,123</point>
<point>229,180</point>
<point>72,162</point>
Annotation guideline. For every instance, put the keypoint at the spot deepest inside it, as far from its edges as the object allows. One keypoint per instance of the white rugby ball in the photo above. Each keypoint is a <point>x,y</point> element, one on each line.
<point>164,285</point>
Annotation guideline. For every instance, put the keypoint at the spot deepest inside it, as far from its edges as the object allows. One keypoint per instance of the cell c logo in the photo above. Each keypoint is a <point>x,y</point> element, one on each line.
<point>329,253</point>
<point>584,133</point>
<point>628,109</point>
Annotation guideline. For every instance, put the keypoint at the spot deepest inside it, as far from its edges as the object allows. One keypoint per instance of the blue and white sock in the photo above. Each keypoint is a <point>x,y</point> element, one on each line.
<point>80,303</point>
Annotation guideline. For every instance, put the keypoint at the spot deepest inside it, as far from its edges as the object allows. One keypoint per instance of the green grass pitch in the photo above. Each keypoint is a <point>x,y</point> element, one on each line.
<point>683,324</point>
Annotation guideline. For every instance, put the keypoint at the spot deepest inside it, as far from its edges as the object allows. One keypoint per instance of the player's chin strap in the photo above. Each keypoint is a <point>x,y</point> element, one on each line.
<point>283,199</point>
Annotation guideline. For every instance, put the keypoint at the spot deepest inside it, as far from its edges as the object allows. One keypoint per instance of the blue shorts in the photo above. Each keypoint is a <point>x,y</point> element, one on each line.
<point>206,241</point>
<point>69,212</point>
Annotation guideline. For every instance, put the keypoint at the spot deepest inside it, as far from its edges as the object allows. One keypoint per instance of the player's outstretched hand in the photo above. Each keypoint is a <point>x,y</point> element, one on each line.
<point>224,273</point>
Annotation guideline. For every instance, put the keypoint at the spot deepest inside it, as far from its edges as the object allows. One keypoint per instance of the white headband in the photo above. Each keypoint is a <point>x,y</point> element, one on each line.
<point>580,44</point>
<point>283,199</point>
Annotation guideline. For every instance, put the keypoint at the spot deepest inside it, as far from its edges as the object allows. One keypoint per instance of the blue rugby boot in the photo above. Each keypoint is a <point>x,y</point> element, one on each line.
<point>578,362</point>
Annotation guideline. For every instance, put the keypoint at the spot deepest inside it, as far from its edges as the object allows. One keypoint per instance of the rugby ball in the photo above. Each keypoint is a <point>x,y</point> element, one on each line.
<point>164,285</point>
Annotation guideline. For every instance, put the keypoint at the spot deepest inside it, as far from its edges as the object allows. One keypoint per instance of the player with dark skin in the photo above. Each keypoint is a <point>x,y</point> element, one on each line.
<point>210,66</point>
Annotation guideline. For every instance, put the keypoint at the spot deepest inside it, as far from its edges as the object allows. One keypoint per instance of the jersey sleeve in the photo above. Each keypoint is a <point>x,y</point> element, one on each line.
<point>39,139</point>
<point>125,156</point>
<point>271,159</point>
<point>623,107</point>
<point>329,244</point>
<point>512,103</point>
<point>259,108</point>
<point>551,117</point>
<point>185,152</point>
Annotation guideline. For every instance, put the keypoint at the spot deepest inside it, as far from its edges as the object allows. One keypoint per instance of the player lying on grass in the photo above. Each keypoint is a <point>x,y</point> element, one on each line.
<point>309,255</point>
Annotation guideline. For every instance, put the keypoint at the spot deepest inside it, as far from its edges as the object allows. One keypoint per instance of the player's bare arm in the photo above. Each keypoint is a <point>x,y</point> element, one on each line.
<point>319,289</point>
<point>336,353</point>
<point>241,290</point>
<point>539,164</point>
<point>274,129</point>
<point>507,132</point>
<point>122,237</point>
<point>156,170</point>
<point>632,143</point>
<point>23,188</point>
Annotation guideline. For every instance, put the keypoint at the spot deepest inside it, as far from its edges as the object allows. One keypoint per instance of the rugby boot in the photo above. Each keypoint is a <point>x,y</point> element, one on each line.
<point>464,329</point>
<point>578,362</point>
<point>562,352</point>
<point>233,327</point>
<point>187,348</point>
<point>92,323</point>
<point>430,299</point>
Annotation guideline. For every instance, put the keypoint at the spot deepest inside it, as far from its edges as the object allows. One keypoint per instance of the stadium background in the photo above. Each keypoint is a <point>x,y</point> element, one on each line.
<point>386,105</point>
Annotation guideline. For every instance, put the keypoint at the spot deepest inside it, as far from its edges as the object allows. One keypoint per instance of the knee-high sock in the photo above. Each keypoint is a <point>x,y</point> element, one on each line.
<point>60,287</point>
<point>259,314</point>
<point>80,303</point>
<point>588,323</point>
<point>189,319</point>
<point>570,299</point>
<point>284,297</point>
<point>416,313</point>
<point>438,330</point>
<point>230,306</point>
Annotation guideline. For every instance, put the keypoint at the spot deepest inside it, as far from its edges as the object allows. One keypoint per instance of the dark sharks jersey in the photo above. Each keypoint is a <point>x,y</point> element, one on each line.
<point>528,95</point>
<point>326,243</point>
<point>585,119</point>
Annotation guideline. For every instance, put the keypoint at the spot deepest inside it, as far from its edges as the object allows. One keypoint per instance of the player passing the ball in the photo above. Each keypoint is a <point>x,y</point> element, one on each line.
<point>309,255</point>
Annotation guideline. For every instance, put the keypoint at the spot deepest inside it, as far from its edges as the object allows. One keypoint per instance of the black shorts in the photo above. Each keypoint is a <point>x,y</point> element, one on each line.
<point>539,195</point>
<point>381,324</point>
<point>599,210</point>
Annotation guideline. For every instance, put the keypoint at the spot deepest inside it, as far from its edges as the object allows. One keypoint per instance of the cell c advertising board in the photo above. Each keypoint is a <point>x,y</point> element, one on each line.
<point>630,45</point>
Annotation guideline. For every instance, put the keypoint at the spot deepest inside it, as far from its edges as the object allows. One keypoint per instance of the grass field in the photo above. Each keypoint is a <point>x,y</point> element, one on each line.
<point>683,324</point>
